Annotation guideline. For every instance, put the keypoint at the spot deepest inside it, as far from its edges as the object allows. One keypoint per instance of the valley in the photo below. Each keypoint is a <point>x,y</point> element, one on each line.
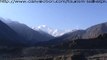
<point>20,42</point>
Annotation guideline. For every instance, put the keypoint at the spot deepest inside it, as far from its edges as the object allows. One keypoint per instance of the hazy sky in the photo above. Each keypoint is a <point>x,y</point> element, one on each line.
<point>60,16</point>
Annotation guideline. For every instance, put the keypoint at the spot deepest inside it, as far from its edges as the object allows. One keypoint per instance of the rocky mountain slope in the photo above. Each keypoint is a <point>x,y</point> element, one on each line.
<point>95,31</point>
<point>28,33</point>
<point>90,33</point>
<point>8,37</point>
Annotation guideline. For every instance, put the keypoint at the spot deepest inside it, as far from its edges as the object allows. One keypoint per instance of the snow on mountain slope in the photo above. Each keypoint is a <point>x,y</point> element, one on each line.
<point>51,31</point>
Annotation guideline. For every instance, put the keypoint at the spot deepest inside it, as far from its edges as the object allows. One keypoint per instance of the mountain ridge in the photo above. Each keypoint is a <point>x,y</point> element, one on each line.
<point>9,37</point>
<point>51,31</point>
<point>28,33</point>
<point>90,33</point>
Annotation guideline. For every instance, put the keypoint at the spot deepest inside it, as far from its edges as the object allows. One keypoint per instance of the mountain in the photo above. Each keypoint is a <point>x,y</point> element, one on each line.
<point>91,38</point>
<point>51,31</point>
<point>8,37</point>
<point>95,31</point>
<point>99,42</point>
<point>77,34</point>
<point>89,33</point>
<point>28,33</point>
<point>38,36</point>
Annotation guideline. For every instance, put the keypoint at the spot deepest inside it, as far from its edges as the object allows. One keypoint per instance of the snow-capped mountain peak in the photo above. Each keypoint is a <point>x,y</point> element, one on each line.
<point>51,31</point>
